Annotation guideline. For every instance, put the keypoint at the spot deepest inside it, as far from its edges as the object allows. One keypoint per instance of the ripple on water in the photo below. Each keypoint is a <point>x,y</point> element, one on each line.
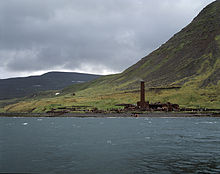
<point>121,145</point>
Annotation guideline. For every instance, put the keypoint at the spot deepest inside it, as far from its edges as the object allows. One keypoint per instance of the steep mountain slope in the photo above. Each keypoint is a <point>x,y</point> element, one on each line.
<point>20,87</point>
<point>194,51</point>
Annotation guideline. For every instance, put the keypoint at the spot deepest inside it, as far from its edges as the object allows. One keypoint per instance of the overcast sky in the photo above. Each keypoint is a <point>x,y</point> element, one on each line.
<point>93,36</point>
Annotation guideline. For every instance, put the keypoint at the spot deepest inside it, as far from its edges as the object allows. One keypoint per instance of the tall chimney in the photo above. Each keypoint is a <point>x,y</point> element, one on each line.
<point>142,93</point>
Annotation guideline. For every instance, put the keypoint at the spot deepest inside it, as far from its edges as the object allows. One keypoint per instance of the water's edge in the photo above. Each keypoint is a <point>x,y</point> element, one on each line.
<point>134,114</point>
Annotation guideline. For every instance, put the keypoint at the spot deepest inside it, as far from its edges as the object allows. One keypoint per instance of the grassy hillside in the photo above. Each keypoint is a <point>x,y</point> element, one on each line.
<point>190,60</point>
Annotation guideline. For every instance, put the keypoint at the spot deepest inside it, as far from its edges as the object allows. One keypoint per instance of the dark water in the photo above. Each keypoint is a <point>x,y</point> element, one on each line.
<point>110,145</point>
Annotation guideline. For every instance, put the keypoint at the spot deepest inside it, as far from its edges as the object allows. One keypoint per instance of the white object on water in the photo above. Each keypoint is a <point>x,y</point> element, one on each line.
<point>24,124</point>
<point>109,142</point>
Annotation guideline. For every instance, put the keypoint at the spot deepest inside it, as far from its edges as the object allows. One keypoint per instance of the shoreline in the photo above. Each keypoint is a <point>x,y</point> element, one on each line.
<point>107,115</point>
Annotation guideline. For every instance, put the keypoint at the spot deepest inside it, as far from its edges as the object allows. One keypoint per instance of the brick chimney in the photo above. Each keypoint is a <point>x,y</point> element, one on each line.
<point>142,93</point>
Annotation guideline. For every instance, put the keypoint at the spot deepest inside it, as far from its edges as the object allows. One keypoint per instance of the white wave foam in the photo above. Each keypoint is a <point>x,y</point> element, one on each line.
<point>109,142</point>
<point>207,122</point>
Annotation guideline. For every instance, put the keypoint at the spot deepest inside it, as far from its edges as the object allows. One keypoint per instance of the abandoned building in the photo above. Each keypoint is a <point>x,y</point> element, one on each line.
<point>143,105</point>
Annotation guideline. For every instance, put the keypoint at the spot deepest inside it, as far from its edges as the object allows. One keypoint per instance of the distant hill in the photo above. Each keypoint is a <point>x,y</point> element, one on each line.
<point>23,86</point>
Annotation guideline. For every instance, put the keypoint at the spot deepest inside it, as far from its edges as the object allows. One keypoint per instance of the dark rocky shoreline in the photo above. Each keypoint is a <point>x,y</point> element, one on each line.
<point>103,115</point>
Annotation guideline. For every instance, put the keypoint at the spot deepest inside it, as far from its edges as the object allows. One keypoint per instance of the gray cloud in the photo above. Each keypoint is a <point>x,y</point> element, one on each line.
<point>91,35</point>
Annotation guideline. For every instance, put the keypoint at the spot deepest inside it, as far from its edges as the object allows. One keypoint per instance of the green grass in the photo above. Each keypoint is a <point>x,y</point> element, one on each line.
<point>104,98</point>
<point>217,39</point>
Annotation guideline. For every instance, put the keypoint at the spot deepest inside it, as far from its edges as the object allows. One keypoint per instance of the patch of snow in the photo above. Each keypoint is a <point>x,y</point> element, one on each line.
<point>78,81</point>
<point>57,93</point>
<point>37,85</point>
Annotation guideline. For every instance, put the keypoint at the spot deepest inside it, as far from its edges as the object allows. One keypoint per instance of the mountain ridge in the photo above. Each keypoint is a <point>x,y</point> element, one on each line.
<point>54,80</point>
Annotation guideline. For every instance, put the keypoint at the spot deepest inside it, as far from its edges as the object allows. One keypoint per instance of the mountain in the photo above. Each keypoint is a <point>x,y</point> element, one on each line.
<point>190,60</point>
<point>23,86</point>
<point>193,52</point>
<point>184,70</point>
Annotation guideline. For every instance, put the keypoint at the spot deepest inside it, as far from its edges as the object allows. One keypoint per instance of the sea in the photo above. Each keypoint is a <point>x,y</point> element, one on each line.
<point>110,145</point>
